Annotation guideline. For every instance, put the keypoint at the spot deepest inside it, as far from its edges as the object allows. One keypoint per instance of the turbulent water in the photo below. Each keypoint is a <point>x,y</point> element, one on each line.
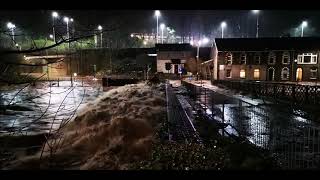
<point>48,105</point>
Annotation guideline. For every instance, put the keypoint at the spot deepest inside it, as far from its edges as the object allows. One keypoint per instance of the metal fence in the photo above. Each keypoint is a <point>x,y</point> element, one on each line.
<point>297,93</point>
<point>180,128</point>
<point>277,129</point>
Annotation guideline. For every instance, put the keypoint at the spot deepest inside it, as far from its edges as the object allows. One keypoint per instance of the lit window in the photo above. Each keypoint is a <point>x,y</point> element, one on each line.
<point>285,73</point>
<point>307,58</point>
<point>256,74</point>
<point>228,73</point>
<point>242,73</point>
<point>272,58</point>
<point>313,73</point>
<point>243,58</point>
<point>229,58</point>
<point>286,58</point>
<point>257,58</point>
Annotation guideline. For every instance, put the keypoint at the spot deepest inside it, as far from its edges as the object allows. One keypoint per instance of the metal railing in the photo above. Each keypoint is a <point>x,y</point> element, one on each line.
<point>297,93</point>
<point>292,139</point>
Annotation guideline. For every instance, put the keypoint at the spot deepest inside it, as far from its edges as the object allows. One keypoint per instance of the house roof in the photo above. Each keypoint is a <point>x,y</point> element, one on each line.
<point>261,44</point>
<point>173,47</point>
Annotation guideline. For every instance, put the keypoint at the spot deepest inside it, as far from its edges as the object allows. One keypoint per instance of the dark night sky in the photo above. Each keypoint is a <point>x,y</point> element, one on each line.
<point>272,23</point>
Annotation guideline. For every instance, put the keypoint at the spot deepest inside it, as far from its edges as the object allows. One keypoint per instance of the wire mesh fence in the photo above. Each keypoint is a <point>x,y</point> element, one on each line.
<point>294,140</point>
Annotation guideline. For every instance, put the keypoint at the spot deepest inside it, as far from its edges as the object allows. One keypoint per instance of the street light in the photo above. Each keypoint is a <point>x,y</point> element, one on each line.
<point>11,27</point>
<point>100,29</point>
<point>257,13</point>
<point>157,14</point>
<point>304,24</point>
<point>54,15</point>
<point>223,25</point>
<point>66,19</point>
<point>200,42</point>
<point>51,36</point>
<point>162,26</point>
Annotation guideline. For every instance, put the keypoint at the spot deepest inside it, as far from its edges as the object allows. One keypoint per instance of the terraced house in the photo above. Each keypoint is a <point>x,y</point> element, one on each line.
<point>267,59</point>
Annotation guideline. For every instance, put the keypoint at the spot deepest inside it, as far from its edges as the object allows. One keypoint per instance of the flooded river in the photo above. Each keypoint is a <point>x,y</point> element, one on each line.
<point>44,106</point>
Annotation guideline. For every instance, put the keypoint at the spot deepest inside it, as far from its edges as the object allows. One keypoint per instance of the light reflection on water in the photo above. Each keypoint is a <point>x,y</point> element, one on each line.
<point>293,138</point>
<point>60,105</point>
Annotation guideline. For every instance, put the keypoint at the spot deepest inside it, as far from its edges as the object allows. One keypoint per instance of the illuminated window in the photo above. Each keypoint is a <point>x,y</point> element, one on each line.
<point>229,58</point>
<point>242,73</point>
<point>285,73</point>
<point>286,58</point>
<point>228,73</point>
<point>272,58</point>
<point>256,74</point>
<point>313,73</point>
<point>243,58</point>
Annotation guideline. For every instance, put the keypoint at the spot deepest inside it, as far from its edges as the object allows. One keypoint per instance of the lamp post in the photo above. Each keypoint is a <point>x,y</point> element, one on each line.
<point>66,19</point>
<point>11,27</point>
<point>100,29</point>
<point>162,26</point>
<point>54,15</point>
<point>200,42</point>
<point>257,13</point>
<point>304,24</point>
<point>157,14</point>
<point>223,25</point>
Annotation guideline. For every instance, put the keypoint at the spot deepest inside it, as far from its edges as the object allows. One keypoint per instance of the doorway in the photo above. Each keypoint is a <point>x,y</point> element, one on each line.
<point>299,74</point>
<point>271,74</point>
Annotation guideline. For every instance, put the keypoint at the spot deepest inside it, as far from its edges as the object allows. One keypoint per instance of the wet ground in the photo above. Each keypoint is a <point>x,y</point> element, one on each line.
<point>289,133</point>
<point>49,105</point>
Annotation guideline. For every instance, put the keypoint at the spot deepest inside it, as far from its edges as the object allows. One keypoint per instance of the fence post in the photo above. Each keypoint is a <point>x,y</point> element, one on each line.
<point>223,117</point>
<point>274,91</point>
<point>293,92</point>
<point>212,106</point>
<point>306,94</point>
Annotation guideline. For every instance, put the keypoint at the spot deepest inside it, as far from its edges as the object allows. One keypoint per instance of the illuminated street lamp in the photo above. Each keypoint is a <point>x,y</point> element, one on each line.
<point>11,27</point>
<point>132,35</point>
<point>200,42</point>
<point>162,26</point>
<point>223,25</point>
<point>304,24</point>
<point>157,14</point>
<point>100,29</point>
<point>257,13</point>
<point>66,19</point>
<point>51,36</point>
<point>54,15</point>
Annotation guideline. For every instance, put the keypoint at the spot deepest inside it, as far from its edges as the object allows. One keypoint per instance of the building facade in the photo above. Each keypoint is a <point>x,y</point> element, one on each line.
<point>180,58</point>
<point>268,59</point>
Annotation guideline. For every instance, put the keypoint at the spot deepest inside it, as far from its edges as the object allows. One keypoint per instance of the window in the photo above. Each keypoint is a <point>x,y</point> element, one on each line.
<point>285,58</point>
<point>242,73</point>
<point>272,58</point>
<point>285,73</point>
<point>313,73</point>
<point>256,73</point>
<point>257,58</point>
<point>228,73</point>
<point>243,58</point>
<point>307,58</point>
<point>229,58</point>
